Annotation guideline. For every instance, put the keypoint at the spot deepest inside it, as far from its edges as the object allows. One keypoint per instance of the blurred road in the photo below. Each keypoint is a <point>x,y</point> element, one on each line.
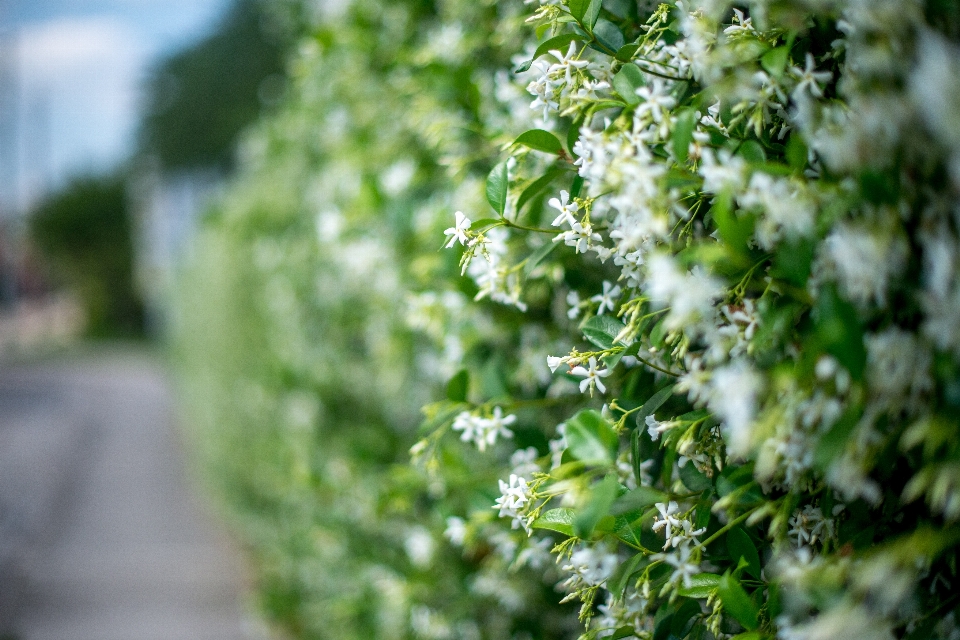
<point>100,537</point>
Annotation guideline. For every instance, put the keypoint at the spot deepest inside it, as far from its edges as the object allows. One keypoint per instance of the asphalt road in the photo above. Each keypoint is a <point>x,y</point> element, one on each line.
<point>101,536</point>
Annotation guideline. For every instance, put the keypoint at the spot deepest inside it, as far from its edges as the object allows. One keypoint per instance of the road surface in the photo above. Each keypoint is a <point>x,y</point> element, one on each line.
<point>101,537</point>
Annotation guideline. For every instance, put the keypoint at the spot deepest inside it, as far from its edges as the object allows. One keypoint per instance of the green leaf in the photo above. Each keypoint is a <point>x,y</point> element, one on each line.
<point>601,330</point>
<point>650,407</point>
<point>750,635</point>
<point>621,577</point>
<point>775,60</point>
<point>739,545</point>
<point>538,256</point>
<point>538,186</point>
<point>752,151</point>
<point>602,496</point>
<point>625,53</point>
<point>591,439</point>
<point>735,230</point>
<point>692,478</point>
<point>701,585</point>
<point>478,225</point>
<point>457,387</point>
<point>626,83</point>
<point>638,499</point>
<point>683,618</point>
<point>539,140</point>
<point>737,603</point>
<point>559,520</point>
<point>608,34</point>
<point>839,328</point>
<point>796,152</point>
<point>556,43</point>
<point>834,442</point>
<point>497,184</point>
<point>585,11</point>
<point>576,187</point>
<point>683,133</point>
<point>623,632</point>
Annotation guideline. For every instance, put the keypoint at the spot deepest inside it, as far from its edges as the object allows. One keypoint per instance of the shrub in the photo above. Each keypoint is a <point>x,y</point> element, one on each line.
<point>712,357</point>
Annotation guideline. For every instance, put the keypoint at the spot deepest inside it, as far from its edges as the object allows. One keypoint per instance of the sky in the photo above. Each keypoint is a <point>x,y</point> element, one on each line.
<point>71,73</point>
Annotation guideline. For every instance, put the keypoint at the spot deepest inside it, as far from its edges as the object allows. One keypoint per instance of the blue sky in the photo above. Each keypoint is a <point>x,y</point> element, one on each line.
<point>70,78</point>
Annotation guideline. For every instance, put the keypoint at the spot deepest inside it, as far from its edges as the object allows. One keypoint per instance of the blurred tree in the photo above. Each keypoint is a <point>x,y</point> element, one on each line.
<point>84,232</point>
<point>199,99</point>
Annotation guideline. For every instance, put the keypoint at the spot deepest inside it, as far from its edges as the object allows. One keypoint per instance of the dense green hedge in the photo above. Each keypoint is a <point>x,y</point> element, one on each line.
<point>696,317</point>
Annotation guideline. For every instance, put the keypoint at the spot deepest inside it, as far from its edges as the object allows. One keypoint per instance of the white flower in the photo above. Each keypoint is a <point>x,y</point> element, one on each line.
<point>607,299</point>
<point>566,208</point>
<point>809,79</point>
<point>655,427</point>
<point>580,236</point>
<point>456,531</point>
<point>591,376</point>
<point>679,559</point>
<point>655,102</point>
<point>483,432</point>
<point>554,362</point>
<point>458,230</point>
<point>524,461</point>
<point>667,520</point>
<point>515,497</point>
<point>573,299</point>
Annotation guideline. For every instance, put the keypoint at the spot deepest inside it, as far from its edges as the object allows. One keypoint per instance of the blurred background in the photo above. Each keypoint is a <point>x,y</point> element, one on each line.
<point>118,120</point>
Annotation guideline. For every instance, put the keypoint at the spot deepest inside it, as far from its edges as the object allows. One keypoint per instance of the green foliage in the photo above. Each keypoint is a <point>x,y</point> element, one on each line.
<point>85,233</point>
<point>200,99</point>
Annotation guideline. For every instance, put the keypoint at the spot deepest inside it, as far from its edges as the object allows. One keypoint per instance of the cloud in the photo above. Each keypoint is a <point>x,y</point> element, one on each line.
<point>97,46</point>
<point>78,85</point>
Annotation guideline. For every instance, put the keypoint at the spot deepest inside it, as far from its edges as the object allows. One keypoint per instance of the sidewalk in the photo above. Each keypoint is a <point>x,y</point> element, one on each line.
<point>104,539</point>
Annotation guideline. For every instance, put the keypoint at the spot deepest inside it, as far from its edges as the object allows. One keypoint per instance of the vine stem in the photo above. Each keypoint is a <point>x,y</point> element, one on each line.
<point>729,526</point>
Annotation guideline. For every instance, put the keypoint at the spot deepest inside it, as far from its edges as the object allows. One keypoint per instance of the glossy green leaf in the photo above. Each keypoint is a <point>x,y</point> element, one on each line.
<point>623,632</point>
<point>538,256</point>
<point>737,603</point>
<point>753,152</point>
<point>539,140</point>
<point>701,585</point>
<point>585,11</point>
<point>608,35</point>
<point>626,83</point>
<point>637,499</point>
<point>559,520</point>
<point>692,478</point>
<point>591,439</point>
<point>601,497</point>
<point>557,43</point>
<point>682,134</point>
<point>497,184</point>
<point>775,60</point>
<point>739,545</point>
<point>601,330</point>
<point>626,52</point>
<point>651,406</point>
<point>538,186</point>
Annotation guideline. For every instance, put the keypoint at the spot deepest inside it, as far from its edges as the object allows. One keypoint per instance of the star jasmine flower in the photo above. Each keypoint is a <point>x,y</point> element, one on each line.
<point>458,230</point>
<point>573,299</point>
<point>566,208</point>
<point>667,520</point>
<point>680,560</point>
<point>607,299</point>
<point>810,79</point>
<point>580,236</point>
<point>591,376</point>
<point>554,362</point>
